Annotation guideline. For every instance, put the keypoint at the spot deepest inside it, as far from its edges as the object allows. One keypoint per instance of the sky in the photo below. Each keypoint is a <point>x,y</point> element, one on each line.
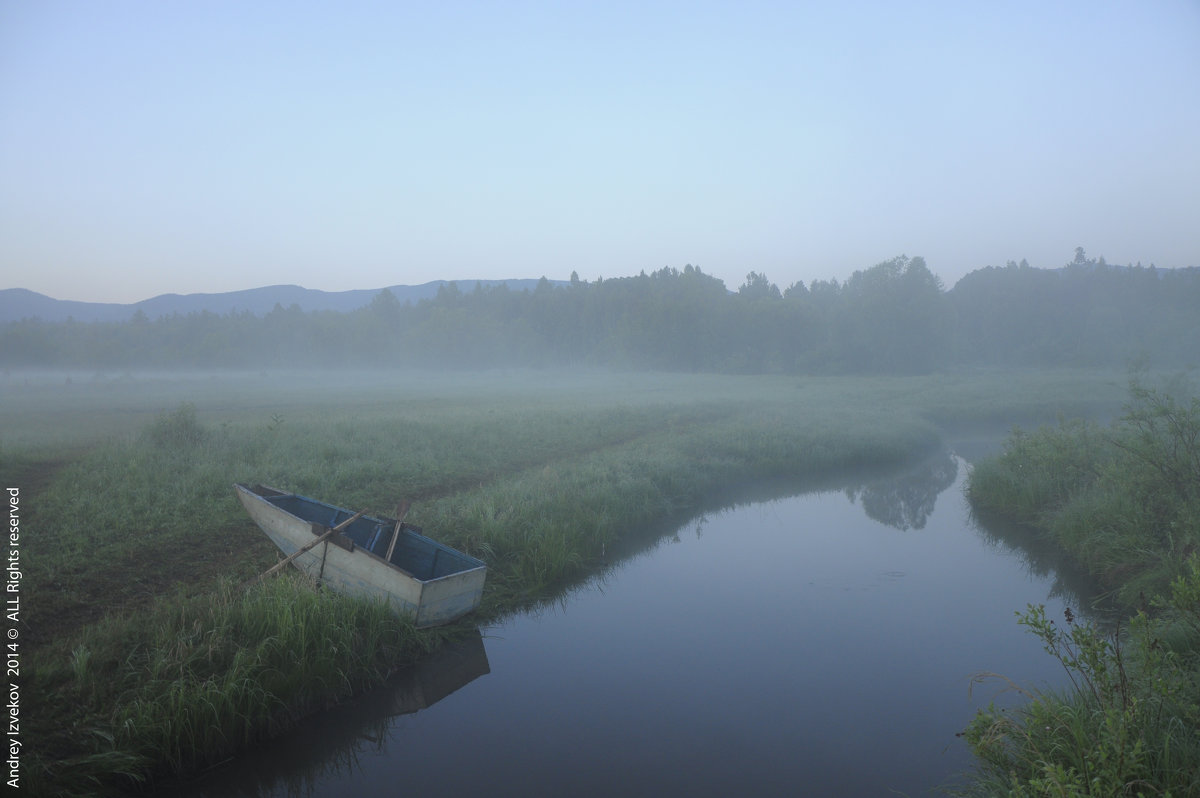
<point>150,147</point>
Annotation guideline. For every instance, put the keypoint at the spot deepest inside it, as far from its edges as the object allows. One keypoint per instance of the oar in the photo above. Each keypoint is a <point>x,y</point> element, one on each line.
<point>324,536</point>
<point>401,511</point>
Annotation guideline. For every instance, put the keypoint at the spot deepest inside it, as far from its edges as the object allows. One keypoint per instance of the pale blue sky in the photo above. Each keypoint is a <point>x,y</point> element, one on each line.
<point>154,147</point>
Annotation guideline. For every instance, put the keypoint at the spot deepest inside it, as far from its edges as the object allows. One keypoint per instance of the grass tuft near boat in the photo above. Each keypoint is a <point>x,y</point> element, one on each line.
<point>358,555</point>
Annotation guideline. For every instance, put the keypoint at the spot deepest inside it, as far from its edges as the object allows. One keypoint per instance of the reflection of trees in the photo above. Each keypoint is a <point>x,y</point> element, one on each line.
<point>906,501</point>
<point>1046,560</point>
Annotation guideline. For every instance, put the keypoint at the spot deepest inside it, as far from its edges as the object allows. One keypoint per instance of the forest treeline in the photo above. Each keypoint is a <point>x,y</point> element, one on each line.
<point>893,318</point>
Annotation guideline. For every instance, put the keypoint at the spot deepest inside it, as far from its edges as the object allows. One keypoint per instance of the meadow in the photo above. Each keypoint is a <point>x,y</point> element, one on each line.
<point>148,660</point>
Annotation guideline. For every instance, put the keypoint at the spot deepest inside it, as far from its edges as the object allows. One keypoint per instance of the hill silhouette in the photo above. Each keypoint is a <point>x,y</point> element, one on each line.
<point>21,303</point>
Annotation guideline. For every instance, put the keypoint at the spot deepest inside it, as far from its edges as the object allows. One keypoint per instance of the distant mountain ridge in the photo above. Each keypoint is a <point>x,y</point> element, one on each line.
<point>21,303</point>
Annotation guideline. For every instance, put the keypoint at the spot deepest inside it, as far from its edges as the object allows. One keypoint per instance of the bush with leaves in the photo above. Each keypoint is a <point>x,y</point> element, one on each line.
<point>1128,726</point>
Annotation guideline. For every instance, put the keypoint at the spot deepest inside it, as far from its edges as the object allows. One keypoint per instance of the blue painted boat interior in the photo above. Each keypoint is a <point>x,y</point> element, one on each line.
<point>420,556</point>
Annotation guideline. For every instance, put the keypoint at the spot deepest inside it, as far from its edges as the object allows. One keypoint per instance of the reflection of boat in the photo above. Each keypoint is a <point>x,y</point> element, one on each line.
<point>328,745</point>
<point>431,679</point>
<point>423,578</point>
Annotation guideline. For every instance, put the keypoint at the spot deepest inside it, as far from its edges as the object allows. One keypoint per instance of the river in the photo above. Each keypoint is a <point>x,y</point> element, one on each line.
<point>821,644</point>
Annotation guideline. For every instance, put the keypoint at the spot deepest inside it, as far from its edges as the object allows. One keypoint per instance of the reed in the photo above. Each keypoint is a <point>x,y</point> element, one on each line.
<point>1124,500</point>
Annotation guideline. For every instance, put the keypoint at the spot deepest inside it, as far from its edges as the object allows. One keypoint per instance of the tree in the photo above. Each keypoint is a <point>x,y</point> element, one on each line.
<point>894,318</point>
<point>757,286</point>
<point>385,307</point>
<point>795,290</point>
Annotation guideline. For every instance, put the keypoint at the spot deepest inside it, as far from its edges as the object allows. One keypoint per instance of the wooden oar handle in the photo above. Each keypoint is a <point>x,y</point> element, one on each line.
<point>401,511</point>
<point>348,521</point>
<point>324,536</point>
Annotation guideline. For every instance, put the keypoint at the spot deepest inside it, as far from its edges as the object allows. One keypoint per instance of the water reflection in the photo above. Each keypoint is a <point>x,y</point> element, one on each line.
<point>905,501</point>
<point>1046,561</point>
<point>332,744</point>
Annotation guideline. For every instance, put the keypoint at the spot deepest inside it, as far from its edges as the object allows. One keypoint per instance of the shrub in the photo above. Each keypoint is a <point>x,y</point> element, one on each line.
<point>178,429</point>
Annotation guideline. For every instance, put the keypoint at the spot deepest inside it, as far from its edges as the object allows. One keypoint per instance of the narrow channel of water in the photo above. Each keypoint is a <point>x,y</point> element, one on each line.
<point>821,644</point>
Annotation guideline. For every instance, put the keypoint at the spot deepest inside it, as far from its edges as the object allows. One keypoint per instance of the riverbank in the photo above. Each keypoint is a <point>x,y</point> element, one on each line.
<point>147,662</point>
<point>1124,502</point>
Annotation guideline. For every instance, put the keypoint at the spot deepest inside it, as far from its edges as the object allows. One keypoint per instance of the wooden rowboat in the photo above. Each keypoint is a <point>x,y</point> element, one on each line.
<point>432,582</point>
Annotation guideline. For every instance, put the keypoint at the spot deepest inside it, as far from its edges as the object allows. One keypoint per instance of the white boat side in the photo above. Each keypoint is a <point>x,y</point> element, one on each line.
<point>349,568</point>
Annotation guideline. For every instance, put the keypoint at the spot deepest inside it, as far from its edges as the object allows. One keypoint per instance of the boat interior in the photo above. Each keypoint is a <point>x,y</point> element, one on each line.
<point>419,556</point>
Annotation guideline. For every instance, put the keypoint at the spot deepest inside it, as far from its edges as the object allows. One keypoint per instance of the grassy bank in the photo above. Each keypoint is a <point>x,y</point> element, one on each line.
<point>146,661</point>
<point>1124,501</point>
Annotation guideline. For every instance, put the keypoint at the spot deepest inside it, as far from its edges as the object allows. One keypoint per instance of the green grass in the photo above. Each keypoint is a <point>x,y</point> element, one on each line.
<point>191,680</point>
<point>148,662</point>
<point>1128,726</point>
<point>1124,502</point>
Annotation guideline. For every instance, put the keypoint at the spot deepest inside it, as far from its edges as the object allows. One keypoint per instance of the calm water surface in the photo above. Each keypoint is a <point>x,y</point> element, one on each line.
<point>821,644</point>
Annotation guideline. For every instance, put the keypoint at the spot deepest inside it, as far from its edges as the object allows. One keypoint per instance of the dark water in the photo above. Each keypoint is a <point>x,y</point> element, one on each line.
<point>816,645</point>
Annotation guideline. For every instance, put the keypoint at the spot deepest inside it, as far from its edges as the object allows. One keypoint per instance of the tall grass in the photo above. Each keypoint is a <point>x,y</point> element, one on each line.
<point>192,680</point>
<point>1124,499</point>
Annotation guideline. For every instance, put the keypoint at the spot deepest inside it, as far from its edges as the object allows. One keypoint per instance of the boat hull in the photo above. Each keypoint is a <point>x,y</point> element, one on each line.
<point>426,580</point>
